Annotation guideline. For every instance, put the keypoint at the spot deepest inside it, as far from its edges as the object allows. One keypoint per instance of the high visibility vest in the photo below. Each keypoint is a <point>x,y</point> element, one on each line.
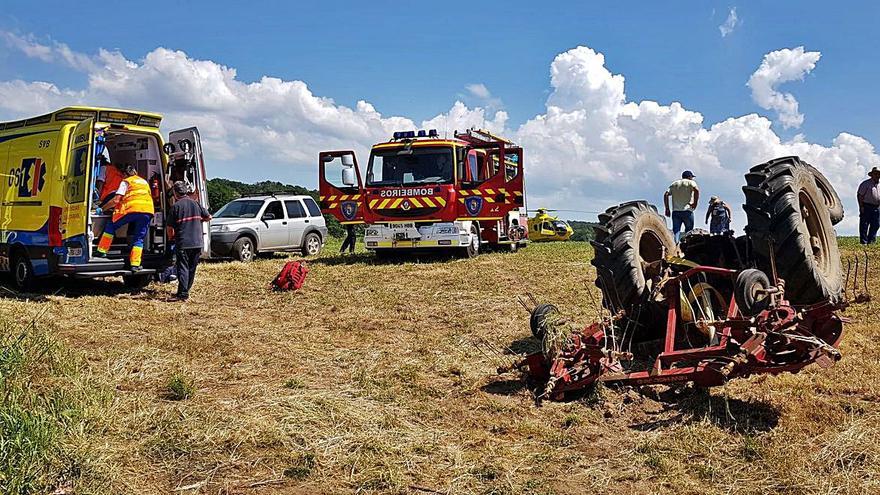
<point>137,198</point>
<point>112,178</point>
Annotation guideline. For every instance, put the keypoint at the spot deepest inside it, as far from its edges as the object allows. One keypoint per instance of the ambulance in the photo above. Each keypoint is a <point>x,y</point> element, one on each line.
<point>50,219</point>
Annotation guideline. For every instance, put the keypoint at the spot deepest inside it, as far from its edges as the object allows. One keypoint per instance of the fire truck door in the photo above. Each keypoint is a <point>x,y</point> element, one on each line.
<point>340,188</point>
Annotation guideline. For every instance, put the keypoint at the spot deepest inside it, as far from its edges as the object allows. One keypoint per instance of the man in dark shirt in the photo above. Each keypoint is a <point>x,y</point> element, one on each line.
<point>186,217</point>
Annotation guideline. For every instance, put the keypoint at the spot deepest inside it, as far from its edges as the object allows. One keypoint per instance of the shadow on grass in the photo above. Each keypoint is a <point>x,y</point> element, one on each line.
<point>397,258</point>
<point>73,288</point>
<point>731,414</point>
<point>504,387</point>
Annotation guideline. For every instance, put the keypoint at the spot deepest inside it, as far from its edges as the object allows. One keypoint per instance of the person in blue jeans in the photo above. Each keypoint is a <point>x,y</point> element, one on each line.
<point>685,194</point>
<point>719,214</point>
<point>868,196</point>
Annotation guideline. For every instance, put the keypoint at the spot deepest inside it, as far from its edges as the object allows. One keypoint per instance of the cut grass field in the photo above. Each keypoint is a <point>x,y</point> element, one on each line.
<point>381,378</point>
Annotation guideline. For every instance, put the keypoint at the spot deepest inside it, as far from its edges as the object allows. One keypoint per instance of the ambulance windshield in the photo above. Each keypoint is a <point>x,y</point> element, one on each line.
<point>404,167</point>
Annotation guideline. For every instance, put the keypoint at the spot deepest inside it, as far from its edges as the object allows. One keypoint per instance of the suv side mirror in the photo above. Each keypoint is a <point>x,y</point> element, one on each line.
<point>268,216</point>
<point>348,177</point>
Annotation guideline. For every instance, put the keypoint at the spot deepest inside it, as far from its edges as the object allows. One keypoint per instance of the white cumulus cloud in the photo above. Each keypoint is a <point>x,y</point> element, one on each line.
<point>591,147</point>
<point>778,67</point>
<point>730,23</point>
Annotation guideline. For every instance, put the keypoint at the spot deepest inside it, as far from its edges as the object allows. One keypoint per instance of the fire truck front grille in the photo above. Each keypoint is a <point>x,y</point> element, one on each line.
<point>412,212</point>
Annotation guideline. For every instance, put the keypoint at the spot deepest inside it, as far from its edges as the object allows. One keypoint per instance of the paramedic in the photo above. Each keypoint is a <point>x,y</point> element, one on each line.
<point>108,180</point>
<point>132,205</point>
<point>186,218</point>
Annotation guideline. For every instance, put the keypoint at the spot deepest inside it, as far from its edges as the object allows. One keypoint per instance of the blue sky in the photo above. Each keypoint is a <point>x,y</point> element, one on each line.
<point>415,59</point>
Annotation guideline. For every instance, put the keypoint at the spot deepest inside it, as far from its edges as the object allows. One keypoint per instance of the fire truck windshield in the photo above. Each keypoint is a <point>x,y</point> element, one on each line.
<point>402,167</point>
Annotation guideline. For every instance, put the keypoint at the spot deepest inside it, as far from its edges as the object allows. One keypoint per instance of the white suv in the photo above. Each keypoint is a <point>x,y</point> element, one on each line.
<point>266,224</point>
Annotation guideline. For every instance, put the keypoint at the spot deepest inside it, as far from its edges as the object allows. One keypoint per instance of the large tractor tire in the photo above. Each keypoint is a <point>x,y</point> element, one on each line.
<point>786,209</point>
<point>630,237</point>
<point>829,195</point>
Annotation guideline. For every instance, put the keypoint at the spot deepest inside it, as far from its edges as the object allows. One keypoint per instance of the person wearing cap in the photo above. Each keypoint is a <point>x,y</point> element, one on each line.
<point>868,196</point>
<point>132,205</point>
<point>186,218</point>
<point>685,195</point>
<point>720,215</point>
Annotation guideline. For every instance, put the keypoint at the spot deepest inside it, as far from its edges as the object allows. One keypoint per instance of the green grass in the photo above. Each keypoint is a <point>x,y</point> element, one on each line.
<point>47,415</point>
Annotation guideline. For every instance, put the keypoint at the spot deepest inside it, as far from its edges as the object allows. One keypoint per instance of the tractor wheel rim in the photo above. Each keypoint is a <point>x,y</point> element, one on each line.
<point>312,245</point>
<point>815,230</point>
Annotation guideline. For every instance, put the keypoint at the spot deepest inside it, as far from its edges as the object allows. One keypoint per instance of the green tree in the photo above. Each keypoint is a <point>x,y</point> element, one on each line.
<point>220,193</point>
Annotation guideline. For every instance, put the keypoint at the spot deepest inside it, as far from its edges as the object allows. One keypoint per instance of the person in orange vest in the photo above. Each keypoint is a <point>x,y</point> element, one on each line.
<point>109,177</point>
<point>133,206</point>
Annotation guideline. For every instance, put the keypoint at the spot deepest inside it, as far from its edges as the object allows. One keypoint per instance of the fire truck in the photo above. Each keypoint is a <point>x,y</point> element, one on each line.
<point>421,191</point>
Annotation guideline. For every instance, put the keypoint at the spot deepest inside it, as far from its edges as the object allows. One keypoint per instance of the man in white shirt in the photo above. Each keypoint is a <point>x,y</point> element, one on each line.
<point>685,195</point>
<point>868,196</point>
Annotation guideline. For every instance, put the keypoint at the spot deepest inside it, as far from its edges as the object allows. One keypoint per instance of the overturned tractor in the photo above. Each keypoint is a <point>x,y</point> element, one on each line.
<point>713,307</point>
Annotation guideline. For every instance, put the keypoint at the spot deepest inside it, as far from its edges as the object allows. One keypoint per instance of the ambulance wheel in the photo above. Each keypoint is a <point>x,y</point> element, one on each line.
<point>473,247</point>
<point>22,272</point>
<point>243,248</point>
<point>137,281</point>
<point>311,244</point>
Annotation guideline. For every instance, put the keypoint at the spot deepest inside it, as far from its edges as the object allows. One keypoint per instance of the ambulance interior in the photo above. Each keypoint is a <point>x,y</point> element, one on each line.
<point>144,153</point>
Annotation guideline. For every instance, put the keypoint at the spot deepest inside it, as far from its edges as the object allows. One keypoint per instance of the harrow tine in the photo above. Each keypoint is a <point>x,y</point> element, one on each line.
<point>846,278</point>
<point>867,290</point>
<point>855,289</point>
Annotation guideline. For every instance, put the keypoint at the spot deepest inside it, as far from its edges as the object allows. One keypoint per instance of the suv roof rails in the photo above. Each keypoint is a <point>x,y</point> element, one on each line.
<point>268,193</point>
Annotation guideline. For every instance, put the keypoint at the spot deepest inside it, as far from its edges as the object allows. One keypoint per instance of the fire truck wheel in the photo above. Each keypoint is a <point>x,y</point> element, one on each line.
<point>748,291</point>
<point>786,208</point>
<point>473,248</point>
<point>832,200</point>
<point>629,239</point>
<point>538,320</point>
<point>243,248</point>
<point>22,271</point>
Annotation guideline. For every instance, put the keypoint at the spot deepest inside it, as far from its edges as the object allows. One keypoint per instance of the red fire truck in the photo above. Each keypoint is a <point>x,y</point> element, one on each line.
<point>422,191</point>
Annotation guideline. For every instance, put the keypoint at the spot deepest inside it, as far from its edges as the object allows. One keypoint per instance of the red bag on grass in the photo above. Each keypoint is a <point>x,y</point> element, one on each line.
<point>291,277</point>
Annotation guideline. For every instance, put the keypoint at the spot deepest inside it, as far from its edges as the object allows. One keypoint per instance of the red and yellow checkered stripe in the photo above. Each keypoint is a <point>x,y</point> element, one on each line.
<point>414,202</point>
<point>335,199</point>
<point>488,195</point>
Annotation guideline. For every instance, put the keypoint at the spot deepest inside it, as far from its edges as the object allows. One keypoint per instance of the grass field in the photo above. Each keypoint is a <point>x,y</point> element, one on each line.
<point>380,378</point>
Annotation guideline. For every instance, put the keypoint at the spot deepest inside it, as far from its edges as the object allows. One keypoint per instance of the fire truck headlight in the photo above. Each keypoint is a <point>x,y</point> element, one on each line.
<point>446,230</point>
<point>371,233</point>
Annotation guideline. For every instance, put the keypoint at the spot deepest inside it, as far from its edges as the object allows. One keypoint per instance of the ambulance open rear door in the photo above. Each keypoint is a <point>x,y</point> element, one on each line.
<point>187,163</point>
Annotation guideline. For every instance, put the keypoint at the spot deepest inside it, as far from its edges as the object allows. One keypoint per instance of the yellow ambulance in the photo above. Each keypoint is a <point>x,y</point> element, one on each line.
<point>50,215</point>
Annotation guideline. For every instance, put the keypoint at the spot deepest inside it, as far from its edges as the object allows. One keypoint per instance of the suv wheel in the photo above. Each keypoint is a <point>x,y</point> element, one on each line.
<point>312,244</point>
<point>243,249</point>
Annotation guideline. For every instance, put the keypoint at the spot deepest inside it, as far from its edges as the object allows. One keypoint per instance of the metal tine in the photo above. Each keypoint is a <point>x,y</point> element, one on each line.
<point>867,290</point>
<point>855,287</point>
<point>846,279</point>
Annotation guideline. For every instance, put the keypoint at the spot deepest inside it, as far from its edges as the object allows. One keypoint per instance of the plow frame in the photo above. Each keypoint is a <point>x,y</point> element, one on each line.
<point>739,351</point>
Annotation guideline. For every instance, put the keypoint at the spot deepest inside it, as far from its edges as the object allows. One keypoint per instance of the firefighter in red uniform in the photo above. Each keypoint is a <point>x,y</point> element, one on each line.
<point>133,205</point>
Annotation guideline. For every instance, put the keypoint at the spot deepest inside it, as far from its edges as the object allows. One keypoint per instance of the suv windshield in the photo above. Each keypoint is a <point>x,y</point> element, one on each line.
<point>246,208</point>
<point>401,167</point>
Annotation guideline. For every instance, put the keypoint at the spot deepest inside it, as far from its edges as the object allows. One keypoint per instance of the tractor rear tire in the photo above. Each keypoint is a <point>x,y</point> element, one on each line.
<point>786,208</point>
<point>628,238</point>
<point>832,200</point>
<point>538,319</point>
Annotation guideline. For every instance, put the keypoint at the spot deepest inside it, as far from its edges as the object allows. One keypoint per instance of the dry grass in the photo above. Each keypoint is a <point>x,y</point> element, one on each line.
<point>381,378</point>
